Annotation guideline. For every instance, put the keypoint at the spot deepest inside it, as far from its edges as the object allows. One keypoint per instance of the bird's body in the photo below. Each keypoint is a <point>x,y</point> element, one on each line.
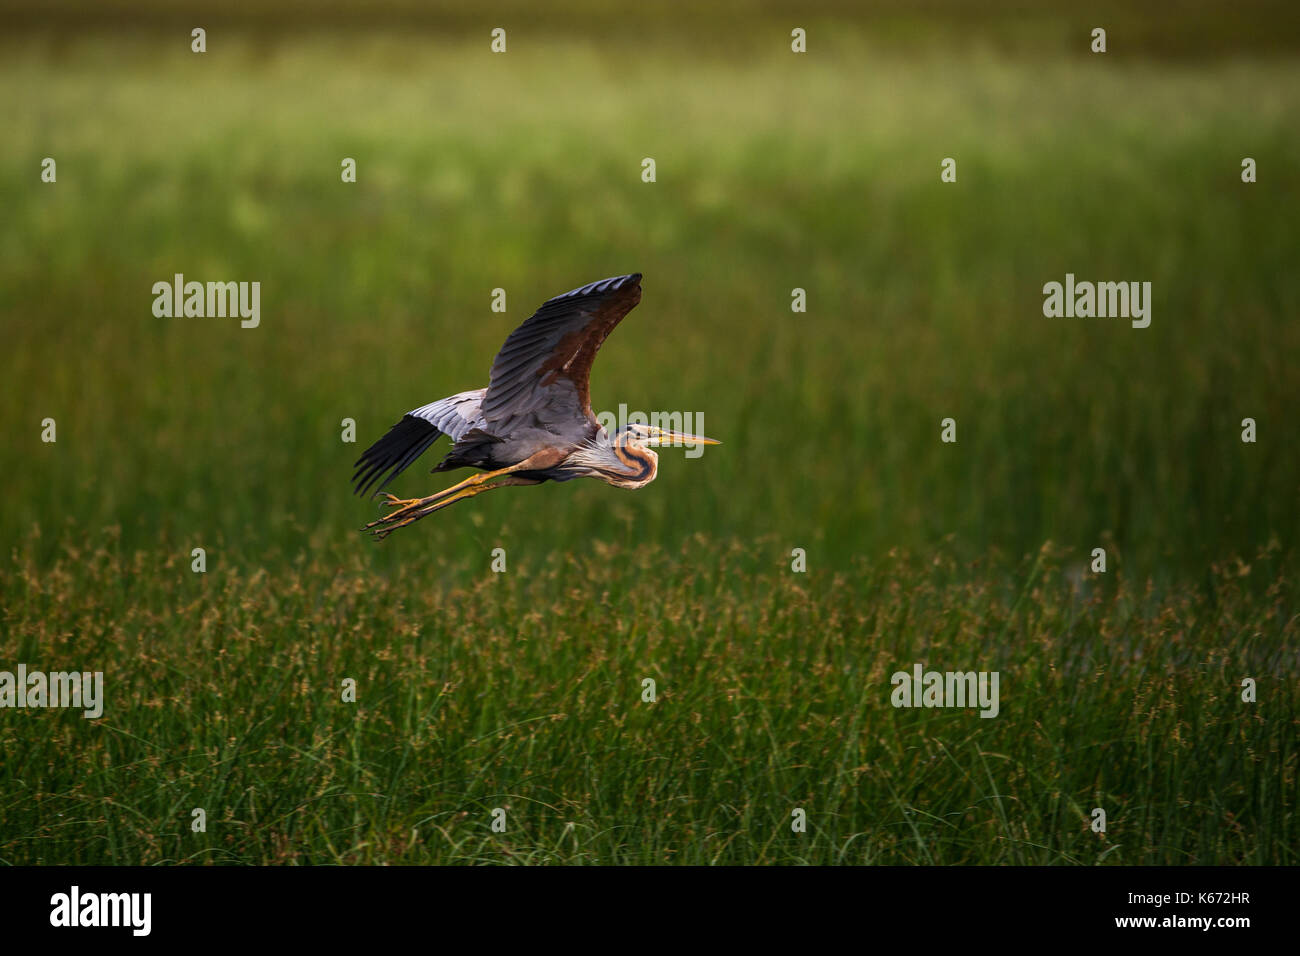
<point>461,418</point>
<point>533,422</point>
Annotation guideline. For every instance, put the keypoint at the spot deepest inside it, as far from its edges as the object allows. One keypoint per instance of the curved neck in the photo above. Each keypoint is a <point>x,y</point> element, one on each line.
<point>641,463</point>
<point>615,460</point>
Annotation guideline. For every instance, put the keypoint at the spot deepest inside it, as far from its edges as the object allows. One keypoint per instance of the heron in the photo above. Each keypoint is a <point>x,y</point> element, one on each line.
<point>533,422</point>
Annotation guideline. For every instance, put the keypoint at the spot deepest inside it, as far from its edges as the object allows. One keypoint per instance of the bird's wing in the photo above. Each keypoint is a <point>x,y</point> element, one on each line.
<point>546,362</point>
<point>416,431</point>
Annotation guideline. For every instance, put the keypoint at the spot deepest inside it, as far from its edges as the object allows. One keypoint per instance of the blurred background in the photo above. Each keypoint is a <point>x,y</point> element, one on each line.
<point>774,171</point>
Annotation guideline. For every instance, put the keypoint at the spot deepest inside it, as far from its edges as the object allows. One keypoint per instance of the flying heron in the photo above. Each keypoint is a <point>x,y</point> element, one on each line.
<point>533,422</point>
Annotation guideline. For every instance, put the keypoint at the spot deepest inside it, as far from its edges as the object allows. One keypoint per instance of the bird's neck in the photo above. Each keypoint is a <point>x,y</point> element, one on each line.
<point>615,461</point>
<point>640,464</point>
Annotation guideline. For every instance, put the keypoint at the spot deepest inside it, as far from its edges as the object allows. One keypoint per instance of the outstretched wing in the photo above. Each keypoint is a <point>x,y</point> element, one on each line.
<point>417,430</point>
<point>546,362</point>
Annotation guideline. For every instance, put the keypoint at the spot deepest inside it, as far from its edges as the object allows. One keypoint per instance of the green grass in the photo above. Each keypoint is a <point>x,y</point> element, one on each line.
<point>522,690</point>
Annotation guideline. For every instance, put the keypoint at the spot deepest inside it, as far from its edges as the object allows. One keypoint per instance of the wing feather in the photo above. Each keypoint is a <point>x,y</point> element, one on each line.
<point>408,439</point>
<point>546,362</point>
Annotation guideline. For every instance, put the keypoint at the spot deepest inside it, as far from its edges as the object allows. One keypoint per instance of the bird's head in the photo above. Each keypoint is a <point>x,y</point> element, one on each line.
<point>625,459</point>
<point>652,436</point>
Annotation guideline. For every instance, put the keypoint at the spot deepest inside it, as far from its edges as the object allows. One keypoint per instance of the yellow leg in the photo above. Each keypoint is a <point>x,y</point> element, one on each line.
<point>408,507</point>
<point>540,460</point>
<point>410,504</point>
<point>413,512</point>
<point>460,485</point>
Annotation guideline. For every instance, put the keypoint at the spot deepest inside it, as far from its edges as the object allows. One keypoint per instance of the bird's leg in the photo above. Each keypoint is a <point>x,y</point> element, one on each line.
<point>406,511</point>
<point>403,504</point>
<point>411,513</point>
<point>539,460</point>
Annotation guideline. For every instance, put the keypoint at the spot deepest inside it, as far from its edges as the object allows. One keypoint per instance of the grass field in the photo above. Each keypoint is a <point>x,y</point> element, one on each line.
<point>523,690</point>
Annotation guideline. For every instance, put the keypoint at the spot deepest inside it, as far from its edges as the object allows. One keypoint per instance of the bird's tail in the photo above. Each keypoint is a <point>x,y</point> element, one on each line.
<point>388,457</point>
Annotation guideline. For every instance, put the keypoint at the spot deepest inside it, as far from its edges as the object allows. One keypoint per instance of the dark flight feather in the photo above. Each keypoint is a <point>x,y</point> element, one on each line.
<point>546,362</point>
<point>403,443</point>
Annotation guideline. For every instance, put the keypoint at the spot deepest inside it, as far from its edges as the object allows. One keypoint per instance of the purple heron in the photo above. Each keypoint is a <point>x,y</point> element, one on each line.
<point>533,422</point>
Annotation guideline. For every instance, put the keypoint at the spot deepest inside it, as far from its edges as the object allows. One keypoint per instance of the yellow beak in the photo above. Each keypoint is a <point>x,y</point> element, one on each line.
<point>677,437</point>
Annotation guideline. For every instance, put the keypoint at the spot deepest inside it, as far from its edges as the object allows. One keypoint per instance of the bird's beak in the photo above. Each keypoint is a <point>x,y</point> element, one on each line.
<point>675,438</point>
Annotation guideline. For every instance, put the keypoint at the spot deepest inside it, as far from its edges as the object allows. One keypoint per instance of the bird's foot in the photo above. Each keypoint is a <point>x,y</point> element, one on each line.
<point>409,510</point>
<point>404,511</point>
